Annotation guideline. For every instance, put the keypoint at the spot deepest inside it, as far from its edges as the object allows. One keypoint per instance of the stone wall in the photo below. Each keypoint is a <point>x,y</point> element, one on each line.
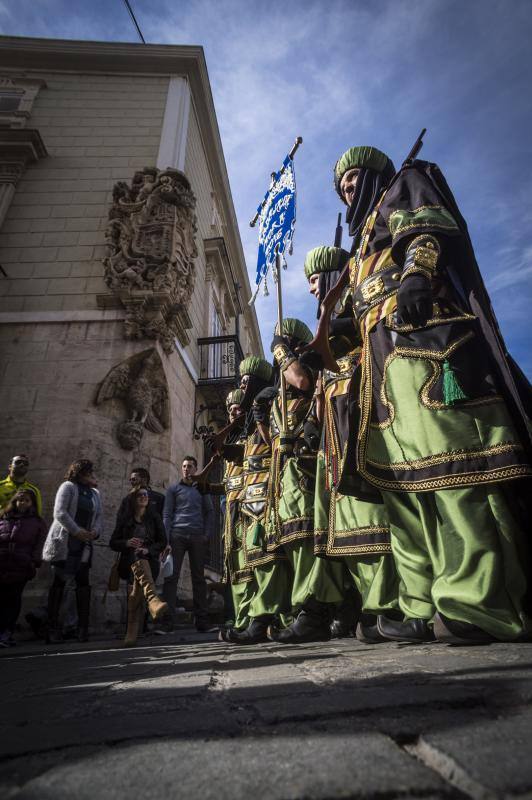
<point>98,129</point>
<point>57,342</point>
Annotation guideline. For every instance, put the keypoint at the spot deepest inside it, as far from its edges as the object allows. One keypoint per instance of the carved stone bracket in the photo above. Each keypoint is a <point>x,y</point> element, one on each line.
<point>151,250</point>
<point>140,383</point>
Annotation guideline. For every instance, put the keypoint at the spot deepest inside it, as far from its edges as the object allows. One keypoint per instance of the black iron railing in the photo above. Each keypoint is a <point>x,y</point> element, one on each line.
<point>220,357</point>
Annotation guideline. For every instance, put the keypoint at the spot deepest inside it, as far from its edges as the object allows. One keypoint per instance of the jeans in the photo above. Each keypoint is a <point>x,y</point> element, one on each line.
<point>195,545</point>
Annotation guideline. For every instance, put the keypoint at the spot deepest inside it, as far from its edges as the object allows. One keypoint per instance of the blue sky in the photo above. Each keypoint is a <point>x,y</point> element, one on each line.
<point>347,72</point>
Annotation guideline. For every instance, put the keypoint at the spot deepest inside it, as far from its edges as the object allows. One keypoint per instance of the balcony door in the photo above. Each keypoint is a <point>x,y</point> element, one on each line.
<point>216,360</point>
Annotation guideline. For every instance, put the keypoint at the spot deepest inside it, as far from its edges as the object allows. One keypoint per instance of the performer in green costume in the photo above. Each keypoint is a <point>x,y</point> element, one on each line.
<point>271,597</point>
<point>240,577</point>
<point>291,493</point>
<point>350,521</point>
<point>444,429</point>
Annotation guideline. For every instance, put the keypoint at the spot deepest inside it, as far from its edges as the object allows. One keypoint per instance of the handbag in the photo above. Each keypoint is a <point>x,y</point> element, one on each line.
<point>113,582</point>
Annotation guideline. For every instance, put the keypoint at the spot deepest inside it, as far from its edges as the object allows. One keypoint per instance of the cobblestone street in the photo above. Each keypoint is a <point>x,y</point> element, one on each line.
<point>187,716</point>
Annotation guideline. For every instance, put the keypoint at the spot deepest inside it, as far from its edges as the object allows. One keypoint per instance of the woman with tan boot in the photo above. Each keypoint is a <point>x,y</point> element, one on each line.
<point>140,538</point>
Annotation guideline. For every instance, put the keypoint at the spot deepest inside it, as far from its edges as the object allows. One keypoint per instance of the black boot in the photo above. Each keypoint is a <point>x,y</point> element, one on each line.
<point>411,630</point>
<point>452,631</point>
<point>311,625</point>
<point>367,630</point>
<point>55,597</point>
<point>346,616</point>
<point>83,600</point>
<point>255,633</point>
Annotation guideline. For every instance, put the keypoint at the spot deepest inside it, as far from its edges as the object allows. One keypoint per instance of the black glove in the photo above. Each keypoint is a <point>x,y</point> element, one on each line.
<point>266,396</point>
<point>233,452</point>
<point>342,326</point>
<point>311,435</point>
<point>276,341</point>
<point>414,301</point>
<point>312,360</point>
<point>283,355</point>
<point>261,404</point>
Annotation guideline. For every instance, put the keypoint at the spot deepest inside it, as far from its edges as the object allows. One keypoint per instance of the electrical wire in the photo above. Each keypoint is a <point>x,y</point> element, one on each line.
<point>136,24</point>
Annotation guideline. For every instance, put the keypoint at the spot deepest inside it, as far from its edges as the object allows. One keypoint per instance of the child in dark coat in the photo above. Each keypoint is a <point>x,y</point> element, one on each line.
<point>22,535</point>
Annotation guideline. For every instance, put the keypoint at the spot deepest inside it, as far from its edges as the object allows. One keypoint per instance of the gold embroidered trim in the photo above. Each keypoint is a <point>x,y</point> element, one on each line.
<point>429,323</point>
<point>432,224</point>
<point>412,352</point>
<point>241,576</point>
<point>359,549</point>
<point>426,225</point>
<point>368,531</point>
<point>426,240</point>
<point>416,269</point>
<point>428,402</point>
<point>451,456</point>
<point>292,537</point>
<point>451,481</point>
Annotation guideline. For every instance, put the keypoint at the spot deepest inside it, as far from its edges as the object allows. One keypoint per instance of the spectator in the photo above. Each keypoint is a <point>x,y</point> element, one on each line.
<point>188,519</point>
<point>140,479</point>
<point>68,547</point>
<point>140,538</point>
<point>16,479</point>
<point>22,535</point>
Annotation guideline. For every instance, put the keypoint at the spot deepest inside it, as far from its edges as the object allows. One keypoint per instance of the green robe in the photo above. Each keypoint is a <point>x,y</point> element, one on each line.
<point>438,460</point>
<point>271,571</point>
<point>354,531</point>
<point>291,506</point>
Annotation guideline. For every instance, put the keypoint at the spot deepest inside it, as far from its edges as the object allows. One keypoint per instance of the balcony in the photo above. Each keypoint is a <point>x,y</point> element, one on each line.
<point>220,358</point>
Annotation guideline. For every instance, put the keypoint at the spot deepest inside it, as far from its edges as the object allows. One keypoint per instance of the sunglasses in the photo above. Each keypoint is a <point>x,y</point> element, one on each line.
<point>142,494</point>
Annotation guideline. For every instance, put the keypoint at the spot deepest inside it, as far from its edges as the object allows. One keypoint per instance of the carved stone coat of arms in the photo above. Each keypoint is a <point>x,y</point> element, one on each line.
<point>151,251</point>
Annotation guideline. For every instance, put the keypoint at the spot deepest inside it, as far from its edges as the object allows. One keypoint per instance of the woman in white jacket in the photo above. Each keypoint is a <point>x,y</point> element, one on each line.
<point>68,547</point>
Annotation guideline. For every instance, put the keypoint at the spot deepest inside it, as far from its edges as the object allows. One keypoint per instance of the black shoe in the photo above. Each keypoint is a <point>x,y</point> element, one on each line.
<point>341,630</point>
<point>411,630</point>
<point>452,631</point>
<point>204,627</point>
<point>255,633</point>
<point>369,634</point>
<point>309,626</point>
<point>38,622</point>
<point>54,636</point>
<point>83,634</point>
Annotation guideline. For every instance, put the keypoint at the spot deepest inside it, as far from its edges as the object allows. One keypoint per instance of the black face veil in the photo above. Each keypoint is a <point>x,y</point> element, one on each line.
<point>369,187</point>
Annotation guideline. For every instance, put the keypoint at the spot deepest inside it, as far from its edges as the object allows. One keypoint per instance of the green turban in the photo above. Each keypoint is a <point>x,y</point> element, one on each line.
<point>234,398</point>
<point>325,259</point>
<point>296,329</point>
<point>253,365</point>
<point>363,158</point>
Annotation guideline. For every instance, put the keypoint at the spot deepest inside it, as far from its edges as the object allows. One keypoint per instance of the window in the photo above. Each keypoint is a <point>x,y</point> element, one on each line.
<point>10,101</point>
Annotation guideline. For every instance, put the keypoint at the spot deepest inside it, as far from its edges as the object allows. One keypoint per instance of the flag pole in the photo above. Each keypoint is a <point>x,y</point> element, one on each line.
<point>277,277</point>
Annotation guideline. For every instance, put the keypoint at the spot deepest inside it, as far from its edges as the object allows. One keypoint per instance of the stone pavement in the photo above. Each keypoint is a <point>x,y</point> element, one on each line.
<point>189,717</point>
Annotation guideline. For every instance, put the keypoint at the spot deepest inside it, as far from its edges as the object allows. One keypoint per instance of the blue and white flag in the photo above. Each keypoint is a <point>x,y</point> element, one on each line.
<point>277,219</point>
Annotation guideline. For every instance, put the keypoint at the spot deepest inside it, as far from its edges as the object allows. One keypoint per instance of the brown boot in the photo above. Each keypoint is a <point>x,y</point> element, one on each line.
<point>135,613</point>
<point>142,572</point>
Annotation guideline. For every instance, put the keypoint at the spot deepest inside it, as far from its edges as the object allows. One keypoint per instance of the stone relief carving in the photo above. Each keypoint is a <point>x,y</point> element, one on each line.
<point>140,383</point>
<point>151,251</point>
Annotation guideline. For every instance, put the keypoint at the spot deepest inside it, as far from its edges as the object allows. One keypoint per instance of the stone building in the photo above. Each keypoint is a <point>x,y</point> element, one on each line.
<point>123,289</point>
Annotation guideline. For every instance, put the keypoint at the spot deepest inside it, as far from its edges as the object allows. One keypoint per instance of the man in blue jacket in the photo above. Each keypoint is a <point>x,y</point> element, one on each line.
<point>188,518</point>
